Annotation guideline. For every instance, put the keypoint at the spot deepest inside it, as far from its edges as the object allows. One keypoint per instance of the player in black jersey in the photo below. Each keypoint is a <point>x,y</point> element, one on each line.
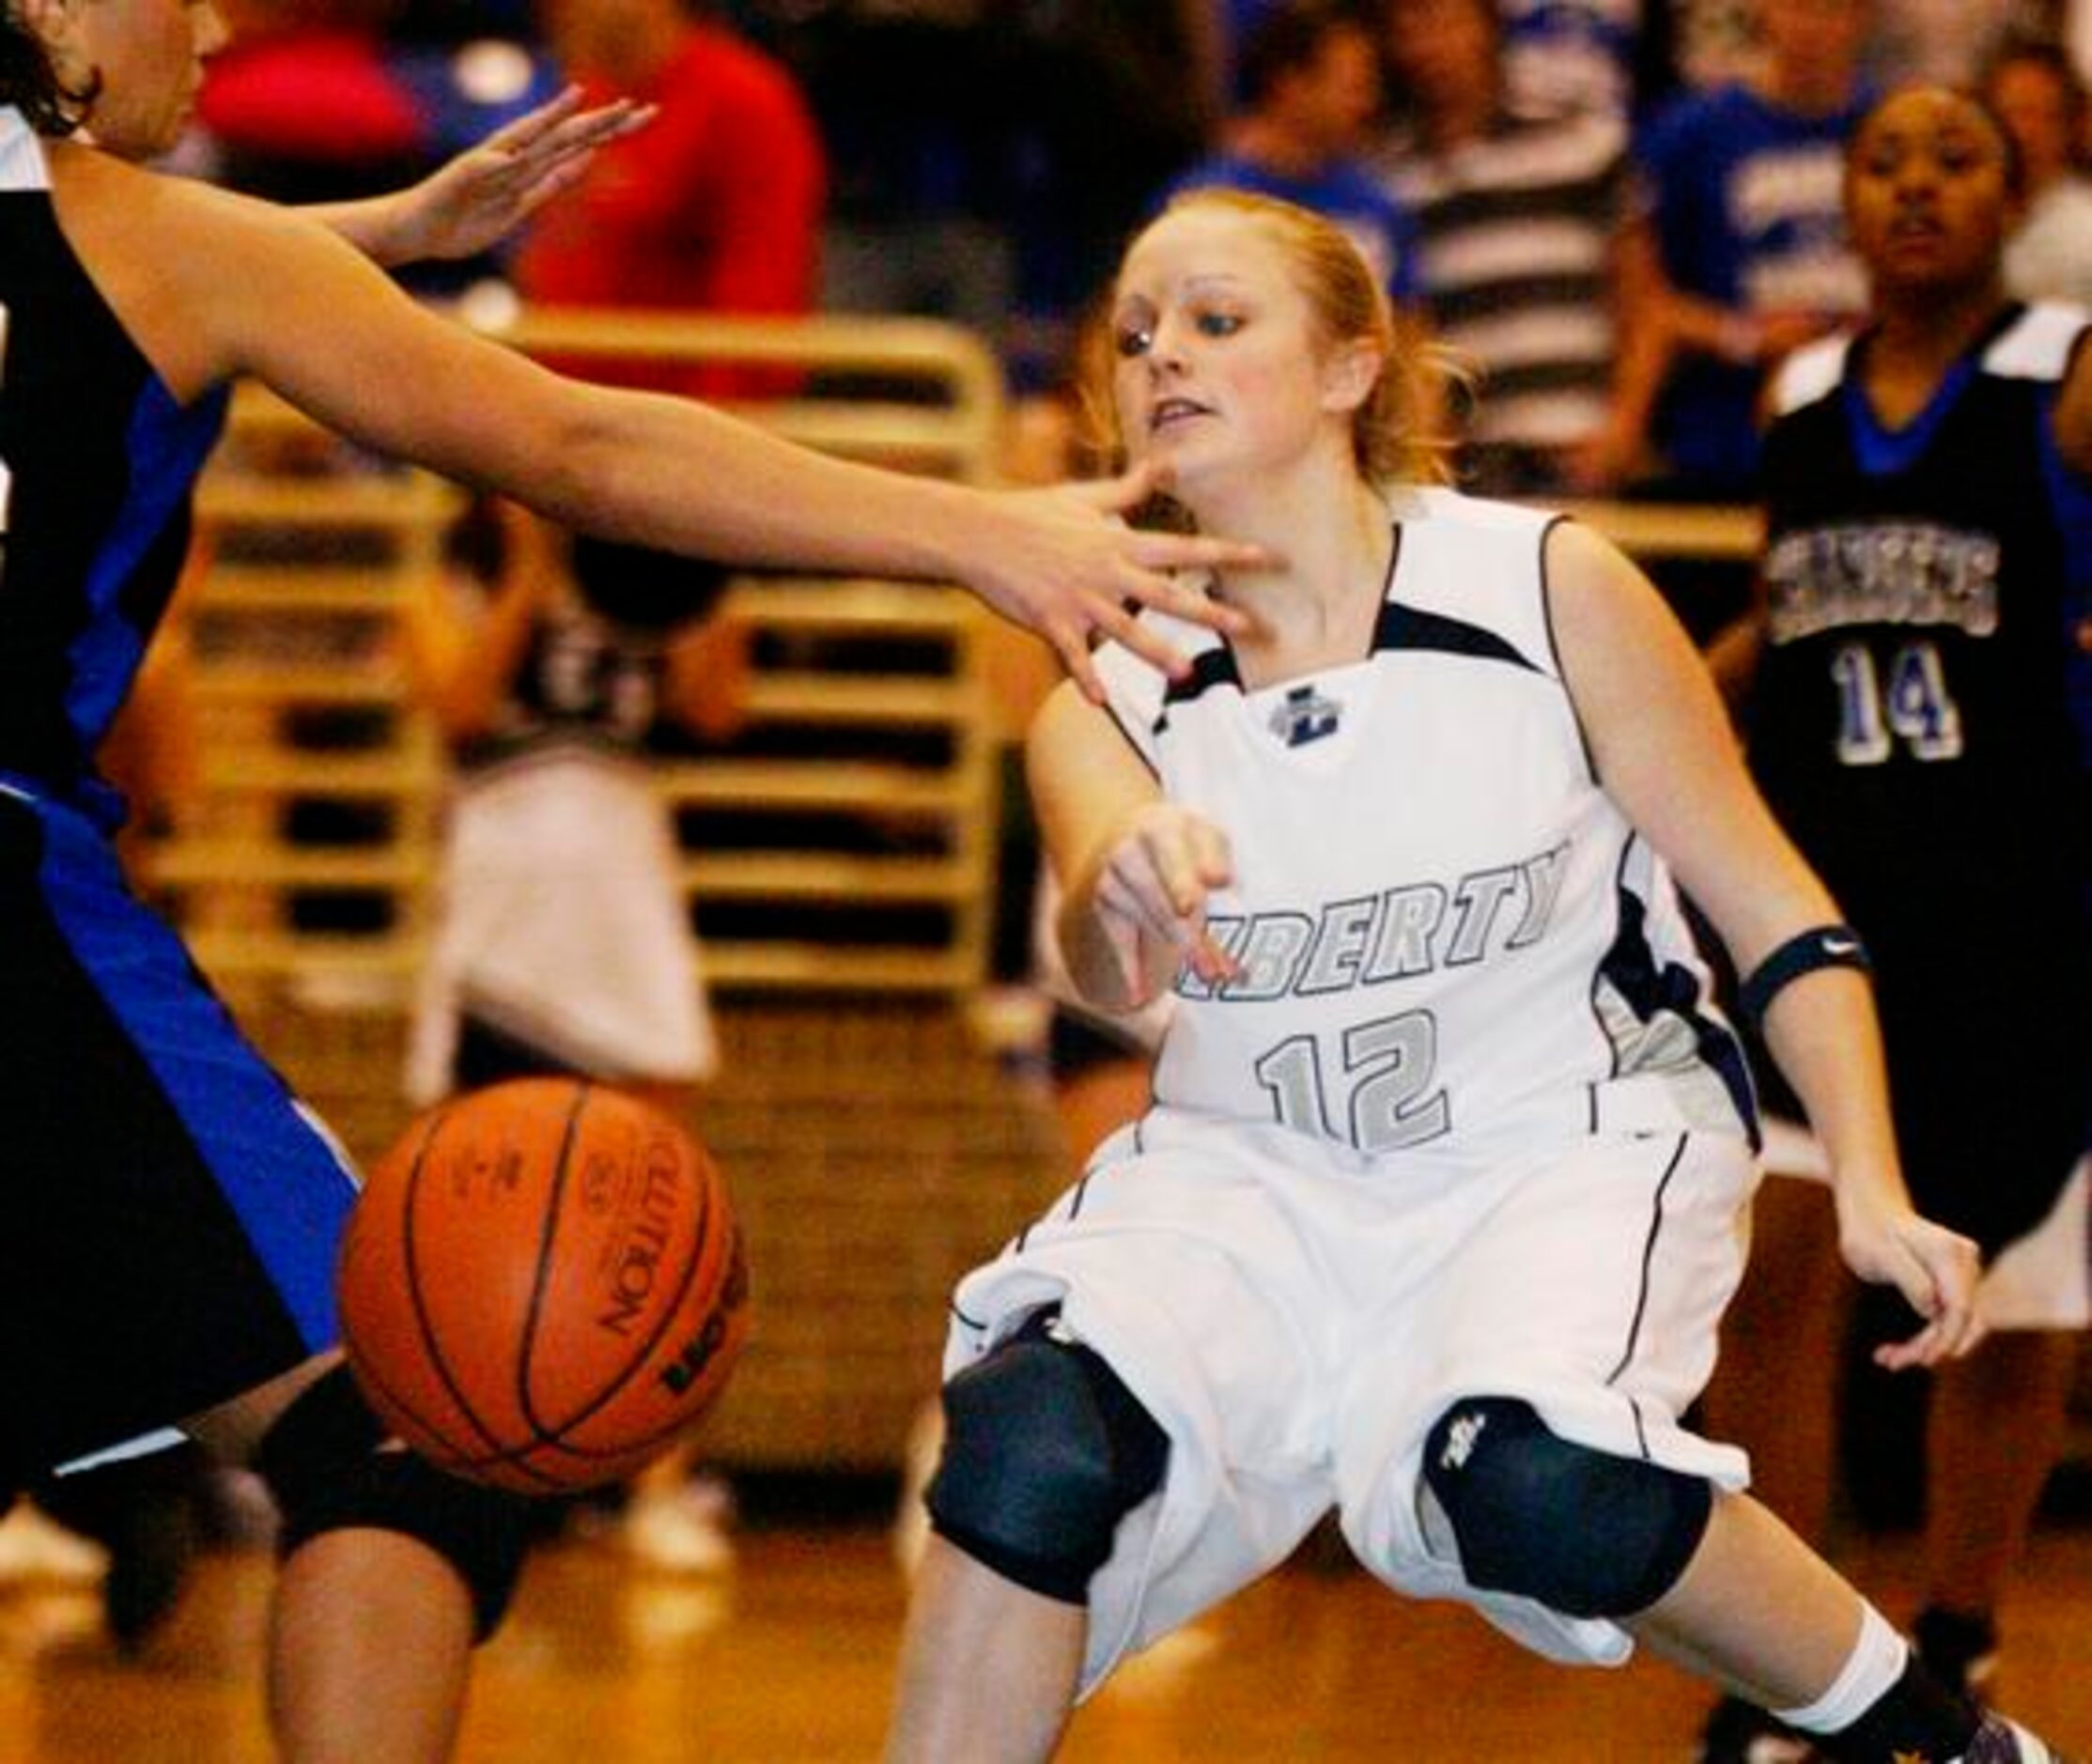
<point>172,1210</point>
<point>1920,720</point>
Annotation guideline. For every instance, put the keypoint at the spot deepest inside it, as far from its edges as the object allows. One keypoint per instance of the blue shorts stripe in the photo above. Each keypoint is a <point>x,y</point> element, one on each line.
<point>282,1174</point>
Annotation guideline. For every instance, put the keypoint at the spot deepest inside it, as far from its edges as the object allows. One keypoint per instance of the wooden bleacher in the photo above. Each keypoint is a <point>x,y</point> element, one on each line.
<point>877,1146</point>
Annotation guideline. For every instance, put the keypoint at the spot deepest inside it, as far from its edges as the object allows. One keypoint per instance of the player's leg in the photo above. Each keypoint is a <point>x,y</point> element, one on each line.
<point>1994,1431</point>
<point>1045,1450</point>
<point>1562,1488</point>
<point>1710,1578</point>
<point>1774,1392</point>
<point>970,1629</point>
<point>1125,1398</point>
<point>390,1571</point>
<point>1763,1614</point>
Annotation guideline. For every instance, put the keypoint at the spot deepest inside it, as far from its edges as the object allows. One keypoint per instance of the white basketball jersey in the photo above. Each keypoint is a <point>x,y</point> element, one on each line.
<point>1447,933</point>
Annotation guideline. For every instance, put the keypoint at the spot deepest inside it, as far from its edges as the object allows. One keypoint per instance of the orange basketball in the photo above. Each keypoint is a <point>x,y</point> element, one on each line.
<point>542,1284</point>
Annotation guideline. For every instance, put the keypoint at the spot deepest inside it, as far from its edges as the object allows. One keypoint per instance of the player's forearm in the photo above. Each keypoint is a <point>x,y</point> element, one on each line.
<point>1823,1032</point>
<point>374,224</point>
<point>679,474</point>
<point>1094,962</point>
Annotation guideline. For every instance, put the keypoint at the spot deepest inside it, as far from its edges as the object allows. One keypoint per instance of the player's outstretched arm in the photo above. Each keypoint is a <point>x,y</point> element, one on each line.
<point>476,199</point>
<point>1136,869</point>
<point>1666,753</point>
<point>261,290</point>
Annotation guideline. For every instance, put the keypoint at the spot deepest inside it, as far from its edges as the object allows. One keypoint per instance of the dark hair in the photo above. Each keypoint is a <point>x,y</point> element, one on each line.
<point>2008,145</point>
<point>1286,39</point>
<point>29,80</point>
<point>640,588</point>
<point>2024,48</point>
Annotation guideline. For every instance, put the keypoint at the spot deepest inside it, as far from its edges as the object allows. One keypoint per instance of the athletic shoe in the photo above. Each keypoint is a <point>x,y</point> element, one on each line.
<point>35,1547</point>
<point>683,1530</point>
<point>2002,1742</point>
<point>1738,1732</point>
<point>1958,1648</point>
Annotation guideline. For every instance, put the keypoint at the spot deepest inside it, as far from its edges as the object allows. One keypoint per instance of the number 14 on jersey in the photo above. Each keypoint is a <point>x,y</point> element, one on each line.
<point>1912,705</point>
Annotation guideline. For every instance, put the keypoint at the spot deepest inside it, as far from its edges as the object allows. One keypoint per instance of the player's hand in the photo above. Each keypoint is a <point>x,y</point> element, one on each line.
<point>1071,569</point>
<point>479,197</point>
<point>1151,890</point>
<point>1935,1269</point>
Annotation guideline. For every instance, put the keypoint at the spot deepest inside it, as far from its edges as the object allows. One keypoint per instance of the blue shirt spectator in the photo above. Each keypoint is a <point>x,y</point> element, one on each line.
<point>1344,192</point>
<point>1310,77</point>
<point>1744,195</point>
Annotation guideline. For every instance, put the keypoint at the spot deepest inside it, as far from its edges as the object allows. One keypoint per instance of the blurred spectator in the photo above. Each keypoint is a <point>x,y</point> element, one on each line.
<point>1944,43</point>
<point>1310,77</point>
<point>344,99</point>
<point>1516,217</point>
<point>1737,253</point>
<point>1616,57</point>
<point>2038,95</point>
<point>1125,94</point>
<point>716,206</point>
<point>1713,41</point>
<point>990,155</point>
<point>465,88</point>
<point>300,106</point>
<point>563,942</point>
<point>913,100</point>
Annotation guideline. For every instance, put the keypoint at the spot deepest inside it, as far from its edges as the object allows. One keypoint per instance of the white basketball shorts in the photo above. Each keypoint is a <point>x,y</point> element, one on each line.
<point>1297,1316</point>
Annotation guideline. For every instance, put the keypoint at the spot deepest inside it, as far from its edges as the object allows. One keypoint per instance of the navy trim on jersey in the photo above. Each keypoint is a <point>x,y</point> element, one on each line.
<point>1404,627</point>
<point>1555,651</point>
<point>1208,667</point>
<point>1630,964</point>
<point>1641,1288</point>
<point>1218,666</point>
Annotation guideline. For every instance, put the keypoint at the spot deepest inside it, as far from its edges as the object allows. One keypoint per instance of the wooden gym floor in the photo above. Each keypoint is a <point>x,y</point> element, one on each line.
<point>787,1658</point>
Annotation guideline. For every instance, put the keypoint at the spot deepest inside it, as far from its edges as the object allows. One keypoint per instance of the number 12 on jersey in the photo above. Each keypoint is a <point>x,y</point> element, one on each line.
<point>1384,1083</point>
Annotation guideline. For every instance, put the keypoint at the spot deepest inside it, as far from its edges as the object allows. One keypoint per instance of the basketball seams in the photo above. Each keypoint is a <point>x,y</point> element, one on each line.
<point>450,1299</point>
<point>534,1312</point>
<point>410,1267</point>
<point>672,1310</point>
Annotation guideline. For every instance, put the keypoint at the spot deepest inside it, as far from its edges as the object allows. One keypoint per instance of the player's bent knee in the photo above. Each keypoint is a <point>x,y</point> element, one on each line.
<point>327,1464</point>
<point>1585,1532</point>
<point>1044,1452</point>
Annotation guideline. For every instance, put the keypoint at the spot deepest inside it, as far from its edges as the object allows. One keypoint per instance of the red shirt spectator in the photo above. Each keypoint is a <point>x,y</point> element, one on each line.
<point>716,206</point>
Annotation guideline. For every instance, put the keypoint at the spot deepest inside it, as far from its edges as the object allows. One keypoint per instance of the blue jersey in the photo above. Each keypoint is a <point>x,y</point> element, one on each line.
<point>165,1192</point>
<point>1747,205</point>
<point>96,462</point>
<point>1344,193</point>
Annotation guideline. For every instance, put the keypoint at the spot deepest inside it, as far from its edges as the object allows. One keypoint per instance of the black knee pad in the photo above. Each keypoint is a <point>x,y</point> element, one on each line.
<point>1587,1533</point>
<point>325,1462</point>
<point>1044,1452</point>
